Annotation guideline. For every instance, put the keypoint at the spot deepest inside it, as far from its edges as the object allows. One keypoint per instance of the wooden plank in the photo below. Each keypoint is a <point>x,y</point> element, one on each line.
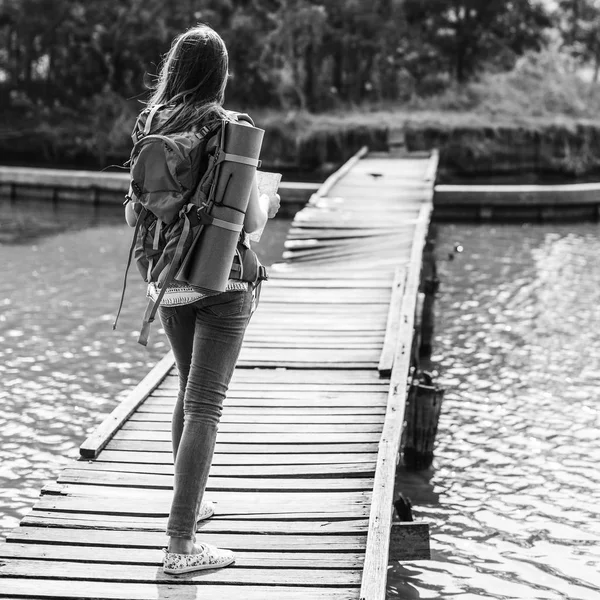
<point>136,505</point>
<point>380,520</point>
<point>348,295</point>
<point>283,283</point>
<point>335,261</point>
<point>305,232</point>
<point>393,324</point>
<point>341,253</point>
<point>279,401</point>
<point>332,326</point>
<point>229,449</point>
<point>105,432</point>
<point>125,462</point>
<point>151,539</point>
<point>294,400</point>
<point>304,338</point>
<point>267,515</point>
<point>148,574</point>
<point>246,388</point>
<point>249,391</point>
<point>282,400</point>
<point>241,458</point>
<point>312,306</point>
<point>259,417</point>
<point>254,359</point>
<point>269,343</point>
<point>287,376</point>
<point>250,438</point>
<point>144,556</point>
<point>302,271</point>
<point>351,320</point>
<point>40,518</point>
<point>157,498</point>
<point>366,246</point>
<point>237,454</point>
<point>234,413</point>
<point>35,588</point>
<point>157,503</point>
<point>309,317</point>
<point>151,481</point>
<point>284,428</point>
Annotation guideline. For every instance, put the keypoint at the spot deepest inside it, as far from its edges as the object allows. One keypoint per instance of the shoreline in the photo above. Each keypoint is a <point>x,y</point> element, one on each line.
<point>474,148</point>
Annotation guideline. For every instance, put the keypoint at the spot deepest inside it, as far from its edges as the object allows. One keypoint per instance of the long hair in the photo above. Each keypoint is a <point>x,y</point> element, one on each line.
<point>192,80</point>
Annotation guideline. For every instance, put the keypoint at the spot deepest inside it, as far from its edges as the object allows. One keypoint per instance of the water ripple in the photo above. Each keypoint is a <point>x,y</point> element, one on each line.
<point>513,495</point>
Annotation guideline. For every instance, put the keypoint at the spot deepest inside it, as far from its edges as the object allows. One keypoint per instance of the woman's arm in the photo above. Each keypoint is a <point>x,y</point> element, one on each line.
<point>257,212</point>
<point>131,213</point>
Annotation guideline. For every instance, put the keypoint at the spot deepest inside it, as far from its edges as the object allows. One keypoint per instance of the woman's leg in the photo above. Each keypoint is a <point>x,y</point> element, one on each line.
<point>179,323</point>
<point>220,325</point>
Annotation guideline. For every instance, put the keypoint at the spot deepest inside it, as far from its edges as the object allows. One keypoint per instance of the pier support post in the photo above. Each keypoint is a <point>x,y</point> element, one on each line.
<point>422,416</point>
<point>409,541</point>
<point>428,317</point>
<point>430,284</point>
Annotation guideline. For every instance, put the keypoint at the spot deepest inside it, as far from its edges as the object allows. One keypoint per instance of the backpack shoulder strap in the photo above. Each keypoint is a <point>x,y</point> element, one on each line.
<point>143,124</point>
<point>140,218</point>
<point>153,111</point>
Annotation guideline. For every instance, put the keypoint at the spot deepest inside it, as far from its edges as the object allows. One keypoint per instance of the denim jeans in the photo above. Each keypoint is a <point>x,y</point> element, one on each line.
<point>206,338</point>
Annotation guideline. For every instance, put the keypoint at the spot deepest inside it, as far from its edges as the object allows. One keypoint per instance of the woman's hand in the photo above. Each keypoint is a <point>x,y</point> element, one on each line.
<point>274,205</point>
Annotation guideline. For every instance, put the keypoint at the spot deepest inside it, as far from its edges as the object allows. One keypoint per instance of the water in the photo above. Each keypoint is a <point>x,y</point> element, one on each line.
<point>518,178</point>
<point>62,367</point>
<point>513,497</point>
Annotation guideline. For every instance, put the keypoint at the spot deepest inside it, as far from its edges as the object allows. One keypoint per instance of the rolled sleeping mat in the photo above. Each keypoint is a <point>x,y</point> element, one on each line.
<point>209,262</point>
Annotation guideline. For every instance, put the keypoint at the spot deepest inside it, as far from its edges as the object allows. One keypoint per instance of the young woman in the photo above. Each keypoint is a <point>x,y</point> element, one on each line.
<point>205,332</point>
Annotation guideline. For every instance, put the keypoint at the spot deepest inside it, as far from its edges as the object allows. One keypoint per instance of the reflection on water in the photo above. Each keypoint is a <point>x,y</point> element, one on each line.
<point>514,494</point>
<point>22,222</point>
<point>62,368</point>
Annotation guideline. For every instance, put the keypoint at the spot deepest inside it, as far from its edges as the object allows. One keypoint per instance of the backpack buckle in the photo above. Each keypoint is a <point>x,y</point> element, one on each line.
<point>204,217</point>
<point>263,275</point>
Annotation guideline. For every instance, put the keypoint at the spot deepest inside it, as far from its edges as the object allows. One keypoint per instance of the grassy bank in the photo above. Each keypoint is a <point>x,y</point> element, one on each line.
<point>540,117</point>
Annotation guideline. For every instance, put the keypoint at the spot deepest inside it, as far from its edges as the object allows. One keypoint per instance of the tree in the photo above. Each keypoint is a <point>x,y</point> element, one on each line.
<point>579,22</point>
<point>471,33</point>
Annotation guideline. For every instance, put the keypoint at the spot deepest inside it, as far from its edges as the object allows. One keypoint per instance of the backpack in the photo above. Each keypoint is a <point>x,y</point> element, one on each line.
<point>173,178</point>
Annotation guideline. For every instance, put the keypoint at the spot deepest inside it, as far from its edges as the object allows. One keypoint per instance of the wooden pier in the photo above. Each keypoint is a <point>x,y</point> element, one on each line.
<point>100,188</point>
<point>518,203</point>
<point>306,453</point>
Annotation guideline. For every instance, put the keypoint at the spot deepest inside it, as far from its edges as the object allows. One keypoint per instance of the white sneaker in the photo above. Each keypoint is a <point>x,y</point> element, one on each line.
<point>207,510</point>
<point>208,557</point>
